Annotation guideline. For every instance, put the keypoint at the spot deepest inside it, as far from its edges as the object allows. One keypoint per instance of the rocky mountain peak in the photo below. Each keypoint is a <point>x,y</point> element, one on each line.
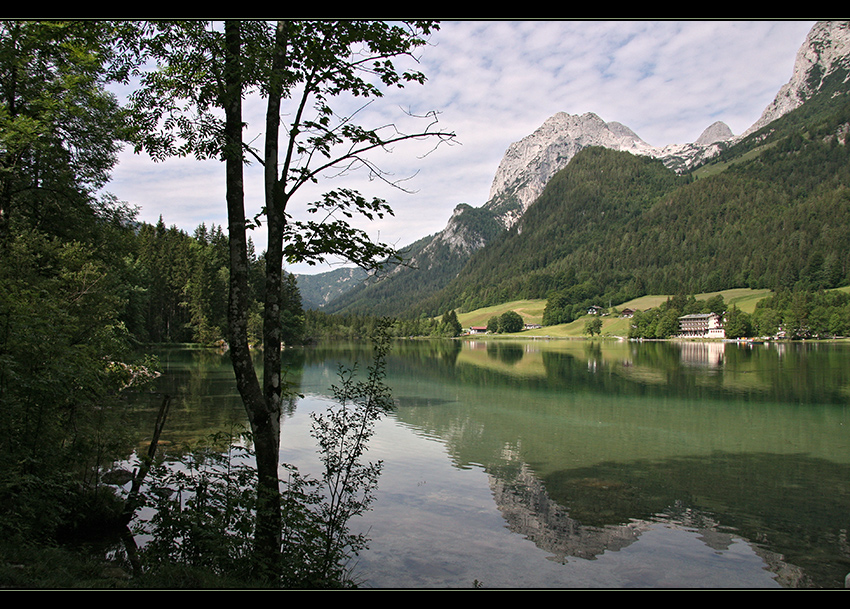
<point>716,132</point>
<point>456,234</point>
<point>529,163</point>
<point>826,49</point>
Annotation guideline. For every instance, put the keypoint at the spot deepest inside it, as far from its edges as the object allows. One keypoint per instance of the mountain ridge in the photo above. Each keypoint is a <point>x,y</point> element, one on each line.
<point>530,163</point>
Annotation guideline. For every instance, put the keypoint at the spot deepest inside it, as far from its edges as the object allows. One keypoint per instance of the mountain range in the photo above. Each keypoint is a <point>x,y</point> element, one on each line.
<point>527,170</point>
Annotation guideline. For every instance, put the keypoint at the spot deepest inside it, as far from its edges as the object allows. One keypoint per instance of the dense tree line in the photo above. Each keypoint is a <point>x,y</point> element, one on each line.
<point>792,314</point>
<point>320,326</point>
<point>179,292</point>
<point>506,323</point>
<point>65,348</point>
<point>801,314</point>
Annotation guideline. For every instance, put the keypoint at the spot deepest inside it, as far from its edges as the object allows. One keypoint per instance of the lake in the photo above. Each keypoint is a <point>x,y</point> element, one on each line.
<point>581,464</point>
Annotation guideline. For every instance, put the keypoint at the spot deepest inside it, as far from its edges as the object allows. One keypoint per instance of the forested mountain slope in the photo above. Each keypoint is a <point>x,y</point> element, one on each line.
<point>431,263</point>
<point>808,106</point>
<point>612,226</point>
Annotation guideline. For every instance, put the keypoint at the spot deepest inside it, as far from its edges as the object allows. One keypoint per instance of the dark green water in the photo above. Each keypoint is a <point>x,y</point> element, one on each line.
<point>572,464</point>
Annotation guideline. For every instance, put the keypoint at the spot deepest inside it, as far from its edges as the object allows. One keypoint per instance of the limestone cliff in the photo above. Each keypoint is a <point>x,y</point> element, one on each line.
<point>825,52</point>
<point>529,164</point>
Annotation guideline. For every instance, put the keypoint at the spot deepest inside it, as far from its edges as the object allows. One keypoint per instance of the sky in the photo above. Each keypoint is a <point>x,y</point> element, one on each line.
<point>495,82</point>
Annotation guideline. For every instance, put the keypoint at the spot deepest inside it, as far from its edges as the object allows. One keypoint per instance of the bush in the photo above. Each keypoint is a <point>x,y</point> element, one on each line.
<point>510,322</point>
<point>204,505</point>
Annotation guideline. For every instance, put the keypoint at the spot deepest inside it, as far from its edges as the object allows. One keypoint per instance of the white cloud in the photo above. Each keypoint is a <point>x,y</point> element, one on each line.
<point>495,82</point>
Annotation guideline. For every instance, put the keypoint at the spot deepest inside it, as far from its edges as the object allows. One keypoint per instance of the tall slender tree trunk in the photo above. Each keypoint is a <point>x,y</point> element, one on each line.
<point>10,91</point>
<point>263,415</point>
<point>276,223</point>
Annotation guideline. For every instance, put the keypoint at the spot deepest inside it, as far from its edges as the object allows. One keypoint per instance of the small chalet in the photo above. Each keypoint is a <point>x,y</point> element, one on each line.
<point>628,313</point>
<point>701,325</point>
<point>594,310</point>
<point>478,330</point>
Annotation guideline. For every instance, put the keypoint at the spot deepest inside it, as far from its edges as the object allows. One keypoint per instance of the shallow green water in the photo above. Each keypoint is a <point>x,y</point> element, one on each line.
<point>572,464</point>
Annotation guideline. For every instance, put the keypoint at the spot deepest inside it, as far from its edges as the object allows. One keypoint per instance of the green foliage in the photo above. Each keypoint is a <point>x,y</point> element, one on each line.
<point>771,315</point>
<point>315,241</point>
<point>65,305</point>
<point>803,314</point>
<point>449,325</point>
<point>203,519</point>
<point>202,511</point>
<point>572,302</point>
<point>593,326</point>
<point>177,287</point>
<point>63,360</point>
<point>320,326</point>
<point>737,324</point>
<point>27,566</point>
<point>203,507</point>
<point>510,322</point>
<point>60,130</point>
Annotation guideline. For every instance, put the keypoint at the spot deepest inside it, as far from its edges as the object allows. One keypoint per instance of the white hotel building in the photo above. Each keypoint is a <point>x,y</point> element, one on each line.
<point>701,325</point>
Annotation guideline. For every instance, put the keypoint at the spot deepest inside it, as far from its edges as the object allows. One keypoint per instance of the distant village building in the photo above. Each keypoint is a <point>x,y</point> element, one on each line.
<point>628,313</point>
<point>594,310</point>
<point>478,330</point>
<point>701,325</point>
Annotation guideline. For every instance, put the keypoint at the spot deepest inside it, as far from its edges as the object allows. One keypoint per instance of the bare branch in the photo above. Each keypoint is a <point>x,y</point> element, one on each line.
<point>356,153</point>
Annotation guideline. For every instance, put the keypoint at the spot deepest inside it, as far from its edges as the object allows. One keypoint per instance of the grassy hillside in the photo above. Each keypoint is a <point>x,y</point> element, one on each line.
<point>530,310</point>
<point>612,325</point>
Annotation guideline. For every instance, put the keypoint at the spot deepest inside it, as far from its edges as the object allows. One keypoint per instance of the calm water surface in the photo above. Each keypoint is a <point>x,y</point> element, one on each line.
<point>574,464</point>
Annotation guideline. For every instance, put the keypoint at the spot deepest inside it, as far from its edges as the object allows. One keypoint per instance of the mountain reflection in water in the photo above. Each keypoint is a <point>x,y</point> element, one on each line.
<point>591,449</point>
<point>586,444</point>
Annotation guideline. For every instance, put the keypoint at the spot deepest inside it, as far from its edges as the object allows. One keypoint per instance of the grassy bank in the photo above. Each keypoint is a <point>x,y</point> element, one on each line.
<point>612,325</point>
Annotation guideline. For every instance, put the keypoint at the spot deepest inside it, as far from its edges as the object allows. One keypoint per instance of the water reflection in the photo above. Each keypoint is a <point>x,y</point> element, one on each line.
<point>589,445</point>
<point>749,441</point>
<point>806,373</point>
<point>563,532</point>
<point>703,353</point>
<point>789,506</point>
